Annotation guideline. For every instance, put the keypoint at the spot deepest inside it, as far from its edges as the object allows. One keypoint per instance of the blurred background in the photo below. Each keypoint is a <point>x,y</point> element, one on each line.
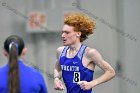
<point>116,37</point>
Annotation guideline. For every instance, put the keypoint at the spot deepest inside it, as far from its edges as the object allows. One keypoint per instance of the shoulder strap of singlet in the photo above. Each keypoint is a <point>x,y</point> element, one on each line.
<point>64,52</point>
<point>81,52</point>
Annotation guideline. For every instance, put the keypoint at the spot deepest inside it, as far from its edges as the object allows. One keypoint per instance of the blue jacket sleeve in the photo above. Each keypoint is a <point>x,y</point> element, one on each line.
<point>43,85</point>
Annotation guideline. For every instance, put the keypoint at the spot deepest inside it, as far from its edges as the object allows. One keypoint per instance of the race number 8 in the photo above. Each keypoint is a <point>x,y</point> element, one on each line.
<point>76,77</point>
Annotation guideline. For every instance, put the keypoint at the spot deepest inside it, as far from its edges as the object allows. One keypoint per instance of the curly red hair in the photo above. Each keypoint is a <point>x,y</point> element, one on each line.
<point>81,23</point>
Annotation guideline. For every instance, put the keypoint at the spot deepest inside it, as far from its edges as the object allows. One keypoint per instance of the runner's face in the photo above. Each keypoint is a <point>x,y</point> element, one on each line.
<point>69,36</point>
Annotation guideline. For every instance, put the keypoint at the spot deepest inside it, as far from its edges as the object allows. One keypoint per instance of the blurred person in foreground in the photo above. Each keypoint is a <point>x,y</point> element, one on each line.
<point>15,76</point>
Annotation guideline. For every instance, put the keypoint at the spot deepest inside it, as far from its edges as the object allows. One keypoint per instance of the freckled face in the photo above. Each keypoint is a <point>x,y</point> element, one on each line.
<point>69,36</point>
